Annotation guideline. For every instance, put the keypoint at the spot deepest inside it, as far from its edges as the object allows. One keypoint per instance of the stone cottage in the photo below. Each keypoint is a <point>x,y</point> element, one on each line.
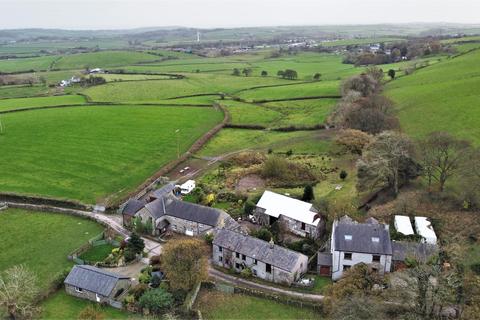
<point>352,243</point>
<point>266,260</point>
<point>299,217</point>
<point>95,284</point>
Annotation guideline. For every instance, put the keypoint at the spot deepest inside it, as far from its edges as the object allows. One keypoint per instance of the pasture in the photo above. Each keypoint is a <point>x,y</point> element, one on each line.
<point>217,305</point>
<point>12,104</point>
<point>42,241</point>
<point>19,91</point>
<point>95,153</point>
<point>443,97</point>
<point>27,64</point>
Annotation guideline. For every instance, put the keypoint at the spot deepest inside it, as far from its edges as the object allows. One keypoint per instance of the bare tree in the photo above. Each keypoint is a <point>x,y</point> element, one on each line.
<point>18,291</point>
<point>442,156</point>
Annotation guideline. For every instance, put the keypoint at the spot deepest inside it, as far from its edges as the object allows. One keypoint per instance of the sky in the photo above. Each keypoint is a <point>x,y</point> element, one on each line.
<point>125,14</point>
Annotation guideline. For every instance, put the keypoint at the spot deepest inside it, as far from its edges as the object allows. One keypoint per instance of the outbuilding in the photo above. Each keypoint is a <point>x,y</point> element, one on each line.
<point>403,225</point>
<point>425,229</point>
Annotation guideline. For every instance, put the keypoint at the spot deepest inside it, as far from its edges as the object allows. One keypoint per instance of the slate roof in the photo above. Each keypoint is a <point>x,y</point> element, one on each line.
<point>93,279</point>
<point>165,190</point>
<point>420,251</point>
<point>277,256</point>
<point>324,259</point>
<point>133,206</point>
<point>171,206</point>
<point>361,238</point>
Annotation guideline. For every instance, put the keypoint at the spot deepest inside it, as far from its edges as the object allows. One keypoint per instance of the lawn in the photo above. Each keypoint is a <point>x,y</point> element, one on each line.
<point>42,241</point>
<point>217,305</point>
<point>228,140</point>
<point>102,59</point>
<point>62,306</point>
<point>91,153</point>
<point>97,253</point>
<point>12,104</point>
<point>442,97</point>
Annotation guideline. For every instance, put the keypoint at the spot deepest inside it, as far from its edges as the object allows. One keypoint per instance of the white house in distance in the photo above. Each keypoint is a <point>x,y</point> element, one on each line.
<point>425,229</point>
<point>353,243</point>
<point>403,225</point>
<point>298,216</point>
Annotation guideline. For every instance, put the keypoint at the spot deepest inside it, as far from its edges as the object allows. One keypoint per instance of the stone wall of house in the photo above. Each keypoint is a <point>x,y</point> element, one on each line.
<point>92,296</point>
<point>338,262</point>
<point>181,226</point>
<point>295,226</point>
<point>261,217</point>
<point>228,259</point>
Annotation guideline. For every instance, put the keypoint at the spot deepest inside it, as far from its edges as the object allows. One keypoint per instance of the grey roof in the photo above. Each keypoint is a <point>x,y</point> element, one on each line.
<point>362,234</point>
<point>165,190</point>
<point>419,251</point>
<point>133,206</point>
<point>93,279</point>
<point>277,256</point>
<point>324,259</point>
<point>184,210</point>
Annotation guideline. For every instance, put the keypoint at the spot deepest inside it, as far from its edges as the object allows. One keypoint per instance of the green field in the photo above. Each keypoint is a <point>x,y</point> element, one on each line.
<point>91,153</point>
<point>229,140</point>
<point>102,59</point>
<point>12,104</point>
<point>42,241</point>
<point>97,253</point>
<point>131,77</point>
<point>62,306</point>
<point>442,97</point>
<point>217,305</point>
<point>27,64</point>
<point>22,91</point>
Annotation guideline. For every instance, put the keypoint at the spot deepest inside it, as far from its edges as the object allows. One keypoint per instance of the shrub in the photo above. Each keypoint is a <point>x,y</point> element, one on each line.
<point>262,233</point>
<point>155,260</point>
<point>249,207</point>
<point>246,273</point>
<point>343,174</point>
<point>129,254</point>
<point>308,194</point>
<point>138,290</point>
<point>156,300</point>
<point>145,278</point>
<point>90,312</point>
<point>208,238</point>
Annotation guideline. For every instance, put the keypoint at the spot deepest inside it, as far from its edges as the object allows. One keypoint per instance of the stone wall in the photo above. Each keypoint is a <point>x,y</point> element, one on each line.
<point>85,294</point>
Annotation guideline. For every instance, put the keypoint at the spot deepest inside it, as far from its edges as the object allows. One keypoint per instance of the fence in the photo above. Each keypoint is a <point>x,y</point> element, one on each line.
<point>96,241</point>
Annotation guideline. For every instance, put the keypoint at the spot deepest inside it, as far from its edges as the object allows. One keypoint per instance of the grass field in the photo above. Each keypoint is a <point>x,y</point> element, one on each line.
<point>62,306</point>
<point>12,104</point>
<point>90,153</point>
<point>42,241</point>
<point>102,59</point>
<point>131,77</point>
<point>216,305</point>
<point>443,97</point>
<point>229,140</point>
<point>26,64</point>
<point>22,91</point>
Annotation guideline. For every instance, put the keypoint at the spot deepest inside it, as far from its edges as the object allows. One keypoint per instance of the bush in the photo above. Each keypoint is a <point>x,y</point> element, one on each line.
<point>155,260</point>
<point>262,233</point>
<point>249,207</point>
<point>129,254</point>
<point>343,174</point>
<point>145,278</point>
<point>308,194</point>
<point>90,312</point>
<point>156,300</point>
<point>208,238</point>
<point>138,290</point>
<point>246,273</point>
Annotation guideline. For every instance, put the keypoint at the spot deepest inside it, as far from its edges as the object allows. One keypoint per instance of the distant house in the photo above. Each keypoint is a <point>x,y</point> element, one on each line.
<point>352,243</point>
<point>95,71</point>
<point>425,229</point>
<point>402,250</point>
<point>170,213</point>
<point>298,216</point>
<point>95,284</point>
<point>266,260</point>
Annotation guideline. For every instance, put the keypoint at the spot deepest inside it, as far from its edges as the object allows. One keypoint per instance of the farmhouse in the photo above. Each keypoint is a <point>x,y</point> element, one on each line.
<point>352,243</point>
<point>170,213</point>
<point>95,284</point>
<point>266,260</point>
<point>299,217</point>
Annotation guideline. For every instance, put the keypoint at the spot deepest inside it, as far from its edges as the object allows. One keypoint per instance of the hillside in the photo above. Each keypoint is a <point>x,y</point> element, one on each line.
<point>443,97</point>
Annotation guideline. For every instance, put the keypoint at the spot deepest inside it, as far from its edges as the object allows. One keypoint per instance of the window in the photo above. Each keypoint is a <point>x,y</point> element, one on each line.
<point>220,249</point>
<point>79,290</point>
<point>376,258</point>
<point>348,237</point>
<point>345,268</point>
<point>237,255</point>
<point>303,225</point>
<point>255,261</point>
<point>268,268</point>
<point>237,265</point>
<point>244,257</point>
<point>220,259</point>
<point>347,256</point>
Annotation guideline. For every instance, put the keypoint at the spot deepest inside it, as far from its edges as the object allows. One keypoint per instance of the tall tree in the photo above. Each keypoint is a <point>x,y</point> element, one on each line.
<point>442,156</point>
<point>387,162</point>
<point>18,291</point>
<point>185,263</point>
<point>308,194</point>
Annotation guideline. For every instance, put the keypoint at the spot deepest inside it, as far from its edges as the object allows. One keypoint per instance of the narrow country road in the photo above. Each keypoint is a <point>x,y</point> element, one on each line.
<point>220,276</point>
